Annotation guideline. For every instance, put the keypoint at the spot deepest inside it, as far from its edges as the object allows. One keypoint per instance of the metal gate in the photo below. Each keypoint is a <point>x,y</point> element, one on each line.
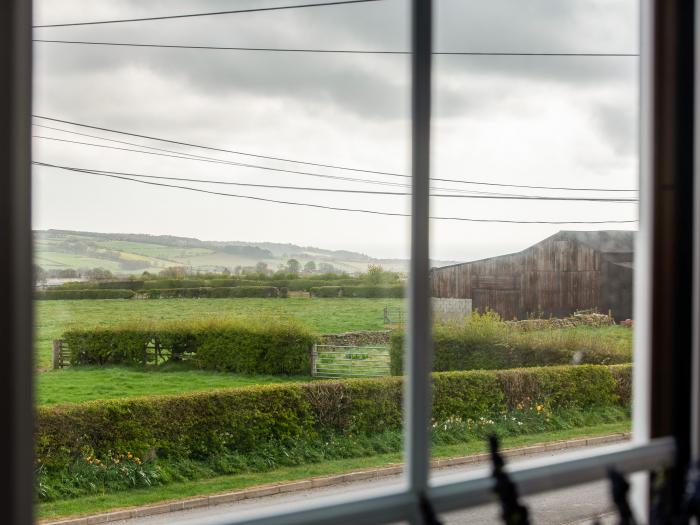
<point>349,361</point>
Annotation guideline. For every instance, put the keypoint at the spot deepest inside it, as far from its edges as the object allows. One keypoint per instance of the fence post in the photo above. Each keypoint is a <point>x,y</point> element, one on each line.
<point>156,344</point>
<point>57,359</point>
<point>314,359</point>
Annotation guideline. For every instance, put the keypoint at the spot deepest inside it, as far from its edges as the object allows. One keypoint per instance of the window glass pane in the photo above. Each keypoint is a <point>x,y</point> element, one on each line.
<point>574,505</point>
<point>535,175</point>
<point>226,228</point>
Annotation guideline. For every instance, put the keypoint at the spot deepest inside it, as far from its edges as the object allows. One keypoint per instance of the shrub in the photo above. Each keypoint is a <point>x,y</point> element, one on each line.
<point>245,347</point>
<point>200,425</point>
<point>484,342</point>
<point>83,294</point>
<point>367,291</point>
<point>104,345</point>
<point>270,348</point>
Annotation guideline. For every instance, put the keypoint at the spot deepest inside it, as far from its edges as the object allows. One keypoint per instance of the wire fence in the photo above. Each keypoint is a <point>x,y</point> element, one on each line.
<point>394,315</point>
<point>350,361</point>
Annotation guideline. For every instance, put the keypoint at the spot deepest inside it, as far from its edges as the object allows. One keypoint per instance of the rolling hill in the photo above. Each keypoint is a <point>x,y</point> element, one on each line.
<point>133,253</point>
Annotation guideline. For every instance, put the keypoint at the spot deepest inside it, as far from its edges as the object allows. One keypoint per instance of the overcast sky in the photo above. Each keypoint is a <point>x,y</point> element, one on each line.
<point>548,121</point>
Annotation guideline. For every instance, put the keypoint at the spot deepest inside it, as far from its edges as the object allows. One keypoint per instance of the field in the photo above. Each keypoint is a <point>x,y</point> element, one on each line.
<point>322,315</point>
<point>91,383</point>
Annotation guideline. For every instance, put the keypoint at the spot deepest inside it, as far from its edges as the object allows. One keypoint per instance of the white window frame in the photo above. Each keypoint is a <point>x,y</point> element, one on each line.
<point>646,451</point>
<point>642,454</point>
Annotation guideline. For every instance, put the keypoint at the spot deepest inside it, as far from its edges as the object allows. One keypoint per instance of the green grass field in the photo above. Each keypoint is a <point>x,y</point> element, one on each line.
<point>322,315</point>
<point>91,383</point>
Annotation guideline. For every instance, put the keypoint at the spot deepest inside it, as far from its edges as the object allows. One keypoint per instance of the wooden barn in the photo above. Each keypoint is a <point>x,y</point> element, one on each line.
<point>571,270</point>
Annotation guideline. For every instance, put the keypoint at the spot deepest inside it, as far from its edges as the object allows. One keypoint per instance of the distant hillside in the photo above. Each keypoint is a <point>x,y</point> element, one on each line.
<point>133,253</point>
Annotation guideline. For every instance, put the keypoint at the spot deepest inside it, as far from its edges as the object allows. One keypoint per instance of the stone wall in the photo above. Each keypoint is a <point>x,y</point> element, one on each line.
<point>378,338</point>
<point>445,309</point>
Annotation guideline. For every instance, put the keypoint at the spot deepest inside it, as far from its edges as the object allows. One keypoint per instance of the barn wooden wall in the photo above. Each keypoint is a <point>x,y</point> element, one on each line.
<point>553,277</point>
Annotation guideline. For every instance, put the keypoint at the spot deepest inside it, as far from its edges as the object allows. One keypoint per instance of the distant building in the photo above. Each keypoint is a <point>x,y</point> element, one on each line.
<point>571,270</point>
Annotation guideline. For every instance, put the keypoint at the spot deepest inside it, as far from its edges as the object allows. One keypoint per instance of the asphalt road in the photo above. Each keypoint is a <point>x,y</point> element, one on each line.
<point>576,505</point>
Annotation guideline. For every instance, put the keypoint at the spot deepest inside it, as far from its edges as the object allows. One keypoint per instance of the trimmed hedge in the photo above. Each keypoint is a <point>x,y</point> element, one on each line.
<point>484,342</point>
<point>325,291</point>
<point>162,287</point>
<point>123,285</point>
<point>366,291</point>
<point>174,284</point>
<point>249,348</point>
<point>199,425</point>
<point>83,294</point>
<point>212,293</point>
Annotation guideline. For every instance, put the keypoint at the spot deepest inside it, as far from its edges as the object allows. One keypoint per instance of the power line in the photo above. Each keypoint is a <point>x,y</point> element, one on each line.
<point>177,155</point>
<point>343,190</point>
<point>336,51</point>
<point>211,13</point>
<point>320,206</point>
<point>321,165</point>
<point>200,158</point>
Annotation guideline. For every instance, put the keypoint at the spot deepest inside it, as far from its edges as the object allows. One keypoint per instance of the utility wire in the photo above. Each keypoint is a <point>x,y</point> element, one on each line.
<point>211,13</point>
<point>337,51</point>
<point>320,206</point>
<point>317,164</point>
<point>178,155</point>
<point>343,190</point>
<point>189,156</point>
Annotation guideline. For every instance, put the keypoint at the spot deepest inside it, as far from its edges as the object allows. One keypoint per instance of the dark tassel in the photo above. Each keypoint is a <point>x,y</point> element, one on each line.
<point>512,512</point>
<point>427,511</point>
<point>620,489</point>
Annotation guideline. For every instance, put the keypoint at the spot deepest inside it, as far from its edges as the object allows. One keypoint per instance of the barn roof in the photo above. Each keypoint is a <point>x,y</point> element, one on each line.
<point>604,241</point>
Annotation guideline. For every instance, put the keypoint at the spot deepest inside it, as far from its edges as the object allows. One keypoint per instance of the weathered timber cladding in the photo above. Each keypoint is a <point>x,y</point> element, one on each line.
<point>566,272</point>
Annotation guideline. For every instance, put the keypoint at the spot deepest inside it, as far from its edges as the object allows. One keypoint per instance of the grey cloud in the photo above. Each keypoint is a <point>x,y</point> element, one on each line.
<point>370,87</point>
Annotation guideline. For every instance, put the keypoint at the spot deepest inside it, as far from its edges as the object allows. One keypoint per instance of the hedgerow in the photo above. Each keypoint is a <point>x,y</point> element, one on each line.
<point>90,474</point>
<point>367,291</point>
<point>484,342</point>
<point>119,285</point>
<point>83,294</point>
<point>325,291</point>
<point>242,420</point>
<point>211,293</point>
<point>174,283</point>
<point>246,347</point>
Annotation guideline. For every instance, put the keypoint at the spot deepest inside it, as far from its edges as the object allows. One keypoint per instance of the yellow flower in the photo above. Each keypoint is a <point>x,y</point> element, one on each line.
<point>129,455</point>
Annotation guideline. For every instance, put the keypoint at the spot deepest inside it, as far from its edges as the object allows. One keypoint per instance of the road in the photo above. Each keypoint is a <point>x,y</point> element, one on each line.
<point>569,506</point>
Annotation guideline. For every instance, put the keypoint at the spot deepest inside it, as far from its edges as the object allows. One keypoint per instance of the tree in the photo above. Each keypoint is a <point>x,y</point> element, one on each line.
<point>261,267</point>
<point>374,273</point>
<point>326,268</point>
<point>293,266</point>
<point>174,272</point>
<point>310,267</point>
<point>98,274</point>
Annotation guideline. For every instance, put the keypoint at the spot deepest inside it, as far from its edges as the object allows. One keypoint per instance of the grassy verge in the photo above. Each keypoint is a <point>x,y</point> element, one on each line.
<point>321,315</point>
<point>89,383</point>
<point>103,503</point>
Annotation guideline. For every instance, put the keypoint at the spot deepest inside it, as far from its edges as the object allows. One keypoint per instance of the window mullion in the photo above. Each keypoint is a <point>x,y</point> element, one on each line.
<point>419,337</point>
